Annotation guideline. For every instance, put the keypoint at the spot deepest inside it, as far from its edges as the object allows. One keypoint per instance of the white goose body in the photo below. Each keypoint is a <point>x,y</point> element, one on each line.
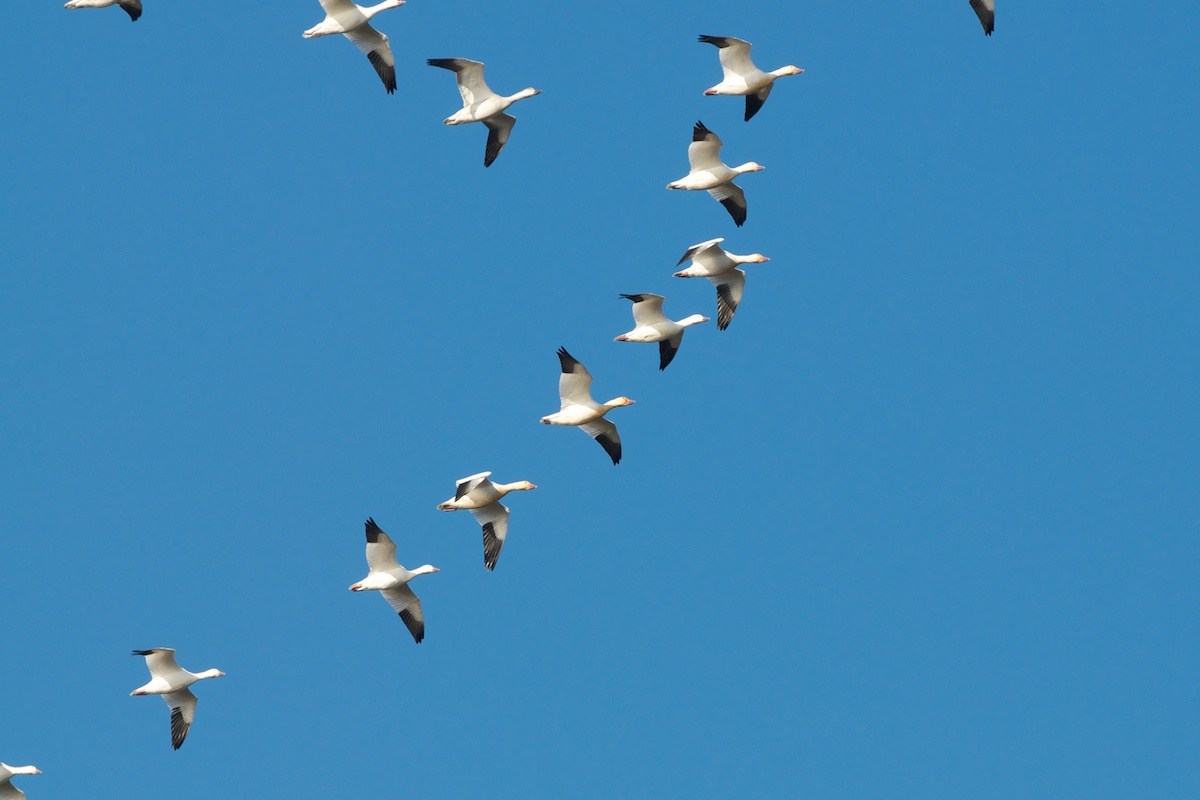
<point>710,261</point>
<point>7,790</point>
<point>481,104</point>
<point>477,494</point>
<point>741,77</point>
<point>651,325</point>
<point>387,577</point>
<point>353,22</point>
<point>132,7</point>
<point>171,681</point>
<point>709,173</point>
<point>580,410</point>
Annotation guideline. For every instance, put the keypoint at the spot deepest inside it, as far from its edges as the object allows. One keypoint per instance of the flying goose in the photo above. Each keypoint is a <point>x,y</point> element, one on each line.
<point>741,76</point>
<point>132,7</point>
<point>720,267</point>
<point>7,790</point>
<point>481,104</point>
<point>172,681</point>
<point>986,11</point>
<point>391,580</point>
<point>651,325</point>
<point>352,21</point>
<point>579,409</point>
<point>704,156</point>
<point>481,497</point>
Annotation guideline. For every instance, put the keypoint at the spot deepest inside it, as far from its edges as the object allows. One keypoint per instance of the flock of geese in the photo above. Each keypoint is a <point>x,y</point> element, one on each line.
<point>477,493</point>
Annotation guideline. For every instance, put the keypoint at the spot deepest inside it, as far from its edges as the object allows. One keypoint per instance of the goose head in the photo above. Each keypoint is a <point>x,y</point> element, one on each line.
<point>211,673</point>
<point>425,569</point>
<point>755,258</point>
<point>694,319</point>
<point>749,166</point>
<point>788,70</point>
<point>619,401</point>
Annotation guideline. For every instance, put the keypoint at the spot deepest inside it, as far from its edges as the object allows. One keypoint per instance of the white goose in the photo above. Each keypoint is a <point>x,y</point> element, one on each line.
<point>172,681</point>
<point>353,22</point>
<point>481,497</point>
<point>580,410</point>
<point>481,104</point>
<point>986,11</point>
<point>387,577</point>
<point>132,7</point>
<point>720,267</point>
<point>7,790</point>
<point>709,173</point>
<point>741,76</point>
<point>651,325</point>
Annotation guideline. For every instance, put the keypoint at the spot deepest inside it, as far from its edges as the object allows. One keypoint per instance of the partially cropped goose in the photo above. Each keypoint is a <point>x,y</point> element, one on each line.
<point>481,497</point>
<point>353,22</point>
<point>709,173</point>
<point>986,11</point>
<point>481,104</point>
<point>391,580</point>
<point>7,790</point>
<point>651,325</point>
<point>720,267</point>
<point>132,7</point>
<point>741,76</point>
<point>172,681</point>
<point>580,410</point>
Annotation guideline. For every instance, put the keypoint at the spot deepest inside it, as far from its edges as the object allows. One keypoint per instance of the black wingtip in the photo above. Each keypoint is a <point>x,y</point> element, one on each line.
<point>567,360</point>
<point>637,298</point>
<point>373,531</point>
<point>611,446</point>
<point>737,212</point>
<point>415,627</point>
<point>699,132</point>
<point>141,652</point>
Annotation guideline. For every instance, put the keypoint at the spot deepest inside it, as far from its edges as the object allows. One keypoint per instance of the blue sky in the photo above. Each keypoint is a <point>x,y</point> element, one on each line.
<point>922,522</point>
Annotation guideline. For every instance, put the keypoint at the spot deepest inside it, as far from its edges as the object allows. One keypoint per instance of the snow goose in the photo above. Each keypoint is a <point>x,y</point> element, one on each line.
<point>352,21</point>
<point>481,104</point>
<point>579,409</point>
<point>132,7</point>
<point>720,267</point>
<point>7,790</point>
<point>651,325</point>
<point>704,156</point>
<point>481,497</point>
<point>391,580</point>
<point>171,681</point>
<point>741,76</point>
<point>986,11</point>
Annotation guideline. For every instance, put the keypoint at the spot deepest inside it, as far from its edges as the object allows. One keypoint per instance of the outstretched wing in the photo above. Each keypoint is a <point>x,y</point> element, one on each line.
<point>470,78</point>
<point>159,660</point>
<point>705,150</point>
<point>606,434</point>
<point>667,349</point>
<point>381,550</point>
<point>378,51</point>
<point>755,101</point>
<point>406,603</point>
<point>695,249</point>
<point>986,11</point>
<point>647,309</point>
<point>494,519</point>
<point>499,129</point>
<point>733,198</point>
<point>729,293</point>
<point>133,8</point>
<point>183,711</point>
<point>575,383</point>
<point>463,486</point>
<point>734,54</point>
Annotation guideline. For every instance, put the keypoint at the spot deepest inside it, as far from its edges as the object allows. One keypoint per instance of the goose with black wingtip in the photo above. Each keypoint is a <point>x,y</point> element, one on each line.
<point>480,496</point>
<point>171,681</point>
<point>651,325</point>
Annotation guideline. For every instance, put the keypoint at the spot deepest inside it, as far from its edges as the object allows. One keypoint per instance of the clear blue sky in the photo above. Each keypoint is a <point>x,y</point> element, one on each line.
<point>921,523</point>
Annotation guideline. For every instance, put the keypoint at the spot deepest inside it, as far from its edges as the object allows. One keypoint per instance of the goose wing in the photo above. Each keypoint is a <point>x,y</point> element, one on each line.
<point>133,8</point>
<point>705,150</point>
<point>183,711</point>
<point>494,519</point>
<point>10,792</point>
<point>381,550</point>
<point>606,434</point>
<point>575,383</point>
<point>159,660</point>
<point>667,349</point>
<point>406,603</point>
<point>986,11</point>
<point>734,54</point>
<point>378,51</point>
<point>755,101</point>
<point>696,249</point>
<point>499,129</point>
<point>335,7</point>
<point>647,309</point>
<point>463,486</point>
<point>733,198</point>
<point>470,78</point>
<point>729,293</point>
